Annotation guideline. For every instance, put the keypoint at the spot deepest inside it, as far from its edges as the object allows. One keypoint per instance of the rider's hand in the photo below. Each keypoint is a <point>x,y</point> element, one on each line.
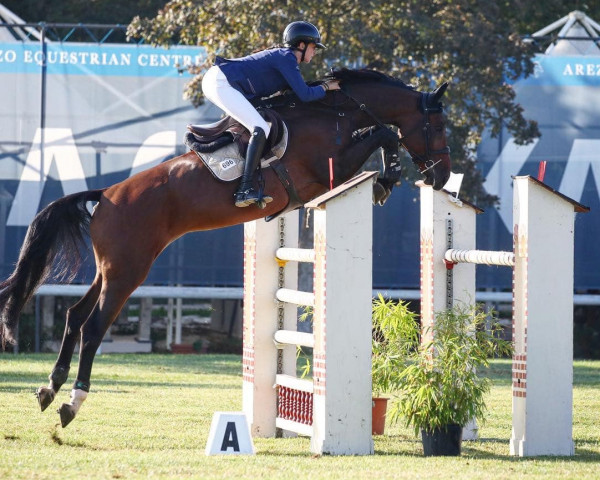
<point>331,85</point>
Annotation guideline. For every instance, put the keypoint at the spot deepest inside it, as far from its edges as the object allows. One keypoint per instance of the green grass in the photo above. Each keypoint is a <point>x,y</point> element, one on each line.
<point>148,416</point>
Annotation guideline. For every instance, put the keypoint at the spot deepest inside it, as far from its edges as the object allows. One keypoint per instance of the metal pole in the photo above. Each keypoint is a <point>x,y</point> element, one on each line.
<point>169,323</point>
<point>42,166</point>
<point>43,103</point>
<point>38,324</point>
<point>178,319</point>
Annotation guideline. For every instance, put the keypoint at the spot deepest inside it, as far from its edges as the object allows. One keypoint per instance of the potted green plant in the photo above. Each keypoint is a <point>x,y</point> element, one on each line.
<point>441,389</point>
<point>395,334</point>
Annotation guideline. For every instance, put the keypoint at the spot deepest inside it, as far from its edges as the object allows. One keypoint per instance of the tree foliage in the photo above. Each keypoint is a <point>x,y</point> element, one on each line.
<point>82,11</point>
<point>99,13</point>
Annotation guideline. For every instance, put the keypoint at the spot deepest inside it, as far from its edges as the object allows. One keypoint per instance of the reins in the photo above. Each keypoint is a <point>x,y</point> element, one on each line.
<point>366,109</point>
<point>428,162</point>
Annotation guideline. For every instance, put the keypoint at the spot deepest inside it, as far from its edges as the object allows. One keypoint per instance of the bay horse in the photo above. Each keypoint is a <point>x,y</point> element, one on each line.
<point>134,220</point>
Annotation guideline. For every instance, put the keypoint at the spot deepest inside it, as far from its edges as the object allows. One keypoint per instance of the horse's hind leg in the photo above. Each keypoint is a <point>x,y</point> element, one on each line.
<point>76,316</point>
<point>93,330</point>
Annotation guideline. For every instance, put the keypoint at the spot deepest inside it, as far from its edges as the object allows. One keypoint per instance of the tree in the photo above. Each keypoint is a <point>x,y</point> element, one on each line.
<point>531,16</point>
<point>82,11</point>
<point>100,13</point>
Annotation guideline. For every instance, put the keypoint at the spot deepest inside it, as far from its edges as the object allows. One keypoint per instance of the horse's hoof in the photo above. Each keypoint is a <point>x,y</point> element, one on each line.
<point>378,192</point>
<point>67,413</point>
<point>45,397</point>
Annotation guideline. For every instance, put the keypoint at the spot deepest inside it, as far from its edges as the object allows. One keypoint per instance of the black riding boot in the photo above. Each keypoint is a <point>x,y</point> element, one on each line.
<point>246,195</point>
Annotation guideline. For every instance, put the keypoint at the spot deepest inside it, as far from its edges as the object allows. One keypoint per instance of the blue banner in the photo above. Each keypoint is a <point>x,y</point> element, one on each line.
<point>565,71</point>
<point>99,59</point>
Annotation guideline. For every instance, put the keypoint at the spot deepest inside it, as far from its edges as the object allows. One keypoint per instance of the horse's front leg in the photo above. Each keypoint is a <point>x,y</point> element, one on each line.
<point>392,169</point>
<point>379,137</point>
<point>76,316</point>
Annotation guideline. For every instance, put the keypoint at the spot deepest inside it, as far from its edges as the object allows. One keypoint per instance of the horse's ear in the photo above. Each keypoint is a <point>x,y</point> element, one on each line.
<point>439,91</point>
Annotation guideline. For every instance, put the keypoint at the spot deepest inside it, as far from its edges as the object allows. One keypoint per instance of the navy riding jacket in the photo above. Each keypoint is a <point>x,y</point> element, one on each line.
<point>264,73</point>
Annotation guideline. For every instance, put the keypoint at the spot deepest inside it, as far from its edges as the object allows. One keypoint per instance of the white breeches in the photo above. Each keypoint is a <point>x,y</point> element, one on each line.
<point>218,90</point>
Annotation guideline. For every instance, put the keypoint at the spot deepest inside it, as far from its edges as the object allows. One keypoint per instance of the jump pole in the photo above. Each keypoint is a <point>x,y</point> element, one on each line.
<point>335,408</point>
<point>542,324</point>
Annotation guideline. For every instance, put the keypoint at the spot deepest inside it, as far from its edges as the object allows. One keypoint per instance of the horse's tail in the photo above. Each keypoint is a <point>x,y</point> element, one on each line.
<point>53,239</point>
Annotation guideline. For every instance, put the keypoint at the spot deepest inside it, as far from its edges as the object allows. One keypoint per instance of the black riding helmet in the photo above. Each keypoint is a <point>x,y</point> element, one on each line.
<point>297,32</point>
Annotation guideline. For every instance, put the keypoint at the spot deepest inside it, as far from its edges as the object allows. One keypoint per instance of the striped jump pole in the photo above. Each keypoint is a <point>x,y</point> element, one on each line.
<point>335,407</point>
<point>542,323</point>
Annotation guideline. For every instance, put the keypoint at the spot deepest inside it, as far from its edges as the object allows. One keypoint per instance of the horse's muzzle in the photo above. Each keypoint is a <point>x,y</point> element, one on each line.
<point>439,174</point>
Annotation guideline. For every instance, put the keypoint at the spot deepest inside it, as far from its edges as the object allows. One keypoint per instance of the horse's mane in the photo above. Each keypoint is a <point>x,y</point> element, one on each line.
<point>364,75</point>
<point>346,75</point>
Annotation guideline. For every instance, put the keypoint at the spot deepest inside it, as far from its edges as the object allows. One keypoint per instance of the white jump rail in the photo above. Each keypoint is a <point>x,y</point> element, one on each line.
<point>293,337</point>
<point>542,323</point>
<point>334,409</point>
<point>297,297</point>
<point>481,257</point>
<point>296,254</point>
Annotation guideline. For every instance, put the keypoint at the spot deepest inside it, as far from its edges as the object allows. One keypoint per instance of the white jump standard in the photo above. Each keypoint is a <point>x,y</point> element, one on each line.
<point>335,407</point>
<point>542,323</point>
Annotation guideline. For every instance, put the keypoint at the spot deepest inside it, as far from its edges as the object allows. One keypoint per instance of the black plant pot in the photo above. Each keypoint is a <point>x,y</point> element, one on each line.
<point>443,441</point>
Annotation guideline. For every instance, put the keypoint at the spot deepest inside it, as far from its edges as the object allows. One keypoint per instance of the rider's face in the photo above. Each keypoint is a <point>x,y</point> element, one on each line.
<point>309,54</point>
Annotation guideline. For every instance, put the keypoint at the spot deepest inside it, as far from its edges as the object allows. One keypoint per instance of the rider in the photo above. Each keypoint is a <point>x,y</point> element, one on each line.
<point>232,83</point>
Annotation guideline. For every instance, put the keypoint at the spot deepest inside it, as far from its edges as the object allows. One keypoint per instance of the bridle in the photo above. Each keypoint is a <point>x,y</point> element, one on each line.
<point>423,163</point>
<point>427,161</point>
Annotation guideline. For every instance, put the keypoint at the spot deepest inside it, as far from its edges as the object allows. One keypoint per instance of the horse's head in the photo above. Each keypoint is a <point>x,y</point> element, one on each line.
<point>424,138</point>
<point>418,116</point>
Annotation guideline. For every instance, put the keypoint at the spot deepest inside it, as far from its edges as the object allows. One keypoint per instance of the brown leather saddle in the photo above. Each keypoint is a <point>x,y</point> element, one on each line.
<point>211,137</point>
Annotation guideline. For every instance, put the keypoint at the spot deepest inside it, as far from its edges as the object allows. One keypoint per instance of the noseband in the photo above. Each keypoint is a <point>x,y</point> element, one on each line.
<point>424,163</point>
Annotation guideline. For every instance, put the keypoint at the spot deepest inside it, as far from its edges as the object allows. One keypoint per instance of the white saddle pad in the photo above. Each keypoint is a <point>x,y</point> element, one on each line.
<point>227,164</point>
